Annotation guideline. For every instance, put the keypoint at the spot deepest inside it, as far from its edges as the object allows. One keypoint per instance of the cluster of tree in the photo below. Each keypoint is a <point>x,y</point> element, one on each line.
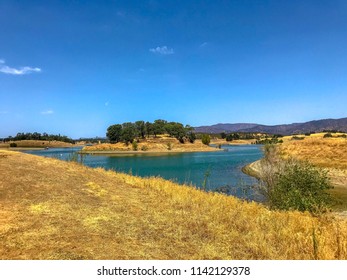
<point>39,136</point>
<point>274,139</point>
<point>329,135</point>
<point>128,132</point>
<point>333,131</point>
<point>94,140</point>
<point>239,135</point>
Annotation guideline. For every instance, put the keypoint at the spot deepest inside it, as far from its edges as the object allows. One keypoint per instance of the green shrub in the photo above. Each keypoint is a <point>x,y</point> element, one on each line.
<point>169,146</point>
<point>13,145</point>
<point>191,137</point>
<point>206,139</point>
<point>293,185</point>
<point>134,145</point>
<point>327,135</point>
<point>301,186</point>
<point>298,138</point>
<point>144,148</point>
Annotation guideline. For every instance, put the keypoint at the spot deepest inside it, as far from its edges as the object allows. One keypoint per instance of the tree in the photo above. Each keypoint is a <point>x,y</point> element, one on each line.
<point>129,132</point>
<point>191,137</point>
<point>206,139</point>
<point>141,128</point>
<point>114,133</point>
<point>159,127</point>
<point>149,128</point>
<point>190,133</point>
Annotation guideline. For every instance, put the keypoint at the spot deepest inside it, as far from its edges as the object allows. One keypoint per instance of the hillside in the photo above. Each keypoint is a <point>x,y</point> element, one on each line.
<point>50,209</point>
<point>284,129</point>
<point>224,127</point>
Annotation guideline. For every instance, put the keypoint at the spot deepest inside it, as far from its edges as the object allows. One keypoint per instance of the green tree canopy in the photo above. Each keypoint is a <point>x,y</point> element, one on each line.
<point>129,132</point>
<point>114,133</point>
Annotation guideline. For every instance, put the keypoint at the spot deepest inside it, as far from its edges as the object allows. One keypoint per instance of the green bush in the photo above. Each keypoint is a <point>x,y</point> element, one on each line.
<point>297,138</point>
<point>327,135</point>
<point>293,185</point>
<point>300,186</point>
<point>169,146</point>
<point>144,148</point>
<point>134,145</point>
<point>206,139</point>
<point>13,145</point>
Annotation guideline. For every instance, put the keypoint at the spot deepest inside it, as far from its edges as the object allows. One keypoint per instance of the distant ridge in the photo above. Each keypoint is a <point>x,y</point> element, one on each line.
<point>284,129</point>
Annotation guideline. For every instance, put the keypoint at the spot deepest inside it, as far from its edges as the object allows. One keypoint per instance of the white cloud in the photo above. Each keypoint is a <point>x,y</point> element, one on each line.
<point>204,44</point>
<point>48,112</point>
<point>164,50</point>
<point>20,71</point>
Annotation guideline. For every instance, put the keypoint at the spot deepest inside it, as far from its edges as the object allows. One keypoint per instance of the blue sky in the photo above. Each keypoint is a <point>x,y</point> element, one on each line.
<point>76,67</point>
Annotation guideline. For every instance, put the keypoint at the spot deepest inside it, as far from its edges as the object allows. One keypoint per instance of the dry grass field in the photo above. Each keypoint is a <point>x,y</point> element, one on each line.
<point>35,144</point>
<point>50,209</point>
<point>328,153</point>
<point>323,152</point>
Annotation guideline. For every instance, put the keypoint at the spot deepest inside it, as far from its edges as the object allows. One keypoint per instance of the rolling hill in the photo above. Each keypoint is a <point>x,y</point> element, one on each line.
<point>285,129</point>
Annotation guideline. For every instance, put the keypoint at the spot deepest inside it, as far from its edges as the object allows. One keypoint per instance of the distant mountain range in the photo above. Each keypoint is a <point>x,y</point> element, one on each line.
<point>284,129</point>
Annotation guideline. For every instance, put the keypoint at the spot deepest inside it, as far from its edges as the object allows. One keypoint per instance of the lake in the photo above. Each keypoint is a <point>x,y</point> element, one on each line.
<point>214,171</point>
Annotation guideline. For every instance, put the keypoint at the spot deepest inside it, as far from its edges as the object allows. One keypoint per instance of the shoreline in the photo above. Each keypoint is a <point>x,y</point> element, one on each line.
<point>36,148</point>
<point>113,152</point>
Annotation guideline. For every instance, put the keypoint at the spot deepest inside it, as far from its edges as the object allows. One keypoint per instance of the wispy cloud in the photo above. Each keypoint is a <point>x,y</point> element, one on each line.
<point>164,50</point>
<point>3,112</point>
<point>47,112</point>
<point>17,71</point>
<point>107,103</point>
<point>204,44</point>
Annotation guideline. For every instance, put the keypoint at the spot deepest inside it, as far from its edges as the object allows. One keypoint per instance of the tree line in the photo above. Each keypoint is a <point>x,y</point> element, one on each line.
<point>38,136</point>
<point>128,131</point>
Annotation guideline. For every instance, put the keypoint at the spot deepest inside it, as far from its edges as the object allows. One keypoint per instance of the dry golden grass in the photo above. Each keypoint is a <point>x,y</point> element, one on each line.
<point>234,142</point>
<point>52,209</point>
<point>151,145</point>
<point>324,152</point>
<point>36,144</point>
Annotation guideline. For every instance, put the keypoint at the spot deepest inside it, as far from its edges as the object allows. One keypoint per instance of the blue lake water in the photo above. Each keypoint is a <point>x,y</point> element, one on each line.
<point>220,170</point>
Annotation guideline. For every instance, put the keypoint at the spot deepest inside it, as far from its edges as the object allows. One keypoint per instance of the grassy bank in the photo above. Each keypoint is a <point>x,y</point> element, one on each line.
<point>52,209</point>
<point>162,144</point>
<point>35,144</point>
<point>328,153</point>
